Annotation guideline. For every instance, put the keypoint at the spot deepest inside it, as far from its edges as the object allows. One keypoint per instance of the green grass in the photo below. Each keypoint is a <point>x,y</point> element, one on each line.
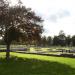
<point>28,64</point>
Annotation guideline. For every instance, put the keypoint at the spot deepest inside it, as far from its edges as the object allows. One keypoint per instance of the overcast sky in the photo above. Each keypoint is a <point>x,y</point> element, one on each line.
<point>57,14</point>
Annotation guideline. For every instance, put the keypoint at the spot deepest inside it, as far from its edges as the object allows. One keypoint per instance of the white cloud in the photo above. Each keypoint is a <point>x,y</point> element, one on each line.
<point>61,11</point>
<point>59,15</point>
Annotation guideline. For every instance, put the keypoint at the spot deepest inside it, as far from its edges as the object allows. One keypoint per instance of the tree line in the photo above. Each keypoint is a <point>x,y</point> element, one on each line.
<point>60,40</point>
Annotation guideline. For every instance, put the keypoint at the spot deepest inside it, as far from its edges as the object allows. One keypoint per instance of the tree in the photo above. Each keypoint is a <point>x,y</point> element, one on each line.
<point>73,40</point>
<point>68,40</point>
<point>62,38</point>
<point>55,41</point>
<point>18,23</point>
<point>49,41</point>
<point>44,41</point>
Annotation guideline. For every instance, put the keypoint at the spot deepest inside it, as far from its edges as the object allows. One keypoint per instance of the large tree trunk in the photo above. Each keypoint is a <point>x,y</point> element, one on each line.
<point>8,52</point>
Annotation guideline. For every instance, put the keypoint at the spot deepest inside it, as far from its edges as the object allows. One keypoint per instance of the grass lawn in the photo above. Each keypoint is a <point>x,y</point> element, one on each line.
<point>28,64</point>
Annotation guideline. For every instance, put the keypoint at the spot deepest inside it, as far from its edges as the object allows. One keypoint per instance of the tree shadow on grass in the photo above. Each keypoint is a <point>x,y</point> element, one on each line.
<point>24,66</point>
